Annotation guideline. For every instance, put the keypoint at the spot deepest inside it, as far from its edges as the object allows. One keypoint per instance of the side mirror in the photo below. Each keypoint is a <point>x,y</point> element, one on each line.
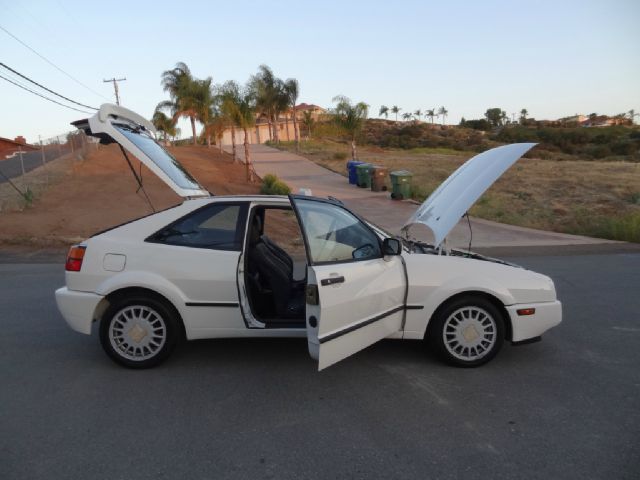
<point>391,246</point>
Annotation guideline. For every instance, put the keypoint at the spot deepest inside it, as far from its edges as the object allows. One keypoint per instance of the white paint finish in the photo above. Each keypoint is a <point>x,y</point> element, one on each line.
<point>371,288</point>
<point>102,122</point>
<point>183,274</point>
<point>77,308</point>
<point>547,315</point>
<point>455,196</point>
<point>113,262</point>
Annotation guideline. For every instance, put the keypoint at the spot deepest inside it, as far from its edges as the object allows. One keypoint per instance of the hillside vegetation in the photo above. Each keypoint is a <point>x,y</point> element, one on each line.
<point>560,192</point>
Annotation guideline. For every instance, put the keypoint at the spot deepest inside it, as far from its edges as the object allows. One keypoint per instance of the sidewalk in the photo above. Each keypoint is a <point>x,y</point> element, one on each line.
<point>298,172</point>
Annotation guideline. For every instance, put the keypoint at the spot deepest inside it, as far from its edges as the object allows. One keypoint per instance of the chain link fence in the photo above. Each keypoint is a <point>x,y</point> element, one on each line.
<point>29,169</point>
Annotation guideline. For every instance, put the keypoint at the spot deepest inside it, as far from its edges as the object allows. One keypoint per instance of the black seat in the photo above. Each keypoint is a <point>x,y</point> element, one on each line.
<point>273,268</point>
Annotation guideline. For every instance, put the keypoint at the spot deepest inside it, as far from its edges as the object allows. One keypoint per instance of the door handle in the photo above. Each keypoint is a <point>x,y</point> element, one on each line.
<point>331,281</point>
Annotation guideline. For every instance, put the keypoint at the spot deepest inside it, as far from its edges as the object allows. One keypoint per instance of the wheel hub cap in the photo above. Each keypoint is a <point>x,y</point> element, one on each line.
<point>137,332</point>
<point>469,333</point>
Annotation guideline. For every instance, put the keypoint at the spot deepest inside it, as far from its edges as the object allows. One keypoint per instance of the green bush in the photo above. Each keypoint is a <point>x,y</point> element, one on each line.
<point>272,185</point>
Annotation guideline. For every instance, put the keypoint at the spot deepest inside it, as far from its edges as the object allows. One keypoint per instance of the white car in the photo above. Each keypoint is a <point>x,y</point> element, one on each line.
<point>296,266</point>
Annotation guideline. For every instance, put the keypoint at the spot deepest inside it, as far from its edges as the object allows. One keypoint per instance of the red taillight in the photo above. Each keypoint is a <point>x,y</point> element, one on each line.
<point>74,258</point>
<point>526,311</point>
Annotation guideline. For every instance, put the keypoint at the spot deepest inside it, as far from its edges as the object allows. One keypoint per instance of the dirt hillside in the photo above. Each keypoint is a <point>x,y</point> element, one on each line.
<point>98,192</point>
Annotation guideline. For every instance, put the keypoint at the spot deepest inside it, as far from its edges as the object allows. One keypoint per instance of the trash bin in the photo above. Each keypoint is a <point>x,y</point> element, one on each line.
<point>400,184</point>
<point>378,178</point>
<point>364,175</point>
<point>351,170</point>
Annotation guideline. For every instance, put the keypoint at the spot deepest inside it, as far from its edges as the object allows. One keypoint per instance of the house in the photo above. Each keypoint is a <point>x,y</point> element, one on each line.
<point>8,147</point>
<point>316,111</point>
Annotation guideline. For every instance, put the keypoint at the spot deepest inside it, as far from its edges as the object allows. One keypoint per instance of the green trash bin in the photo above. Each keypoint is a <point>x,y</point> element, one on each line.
<point>364,175</point>
<point>400,184</point>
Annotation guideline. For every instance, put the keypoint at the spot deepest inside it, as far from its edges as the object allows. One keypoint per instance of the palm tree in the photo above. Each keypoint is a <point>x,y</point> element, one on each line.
<point>350,118</point>
<point>228,96</point>
<point>245,118</point>
<point>406,116</point>
<point>395,109</point>
<point>384,110</point>
<point>308,122</point>
<point>164,124</point>
<point>431,114</point>
<point>190,97</point>
<point>444,112</point>
<point>418,114</point>
<point>268,91</point>
<point>292,89</point>
<point>632,114</point>
<point>523,115</point>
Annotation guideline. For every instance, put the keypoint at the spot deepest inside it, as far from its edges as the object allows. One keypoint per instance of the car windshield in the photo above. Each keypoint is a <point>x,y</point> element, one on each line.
<point>158,155</point>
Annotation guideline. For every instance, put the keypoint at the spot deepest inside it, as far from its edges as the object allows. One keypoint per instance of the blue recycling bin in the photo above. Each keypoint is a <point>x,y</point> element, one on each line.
<point>353,173</point>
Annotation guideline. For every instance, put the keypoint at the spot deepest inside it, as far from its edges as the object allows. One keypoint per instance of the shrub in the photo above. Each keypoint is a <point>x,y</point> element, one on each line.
<point>339,156</point>
<point>272,185</point>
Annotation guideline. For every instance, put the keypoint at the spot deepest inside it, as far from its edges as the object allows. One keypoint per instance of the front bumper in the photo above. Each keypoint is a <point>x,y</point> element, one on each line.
<point>548,315</point>
<point>78,308</point>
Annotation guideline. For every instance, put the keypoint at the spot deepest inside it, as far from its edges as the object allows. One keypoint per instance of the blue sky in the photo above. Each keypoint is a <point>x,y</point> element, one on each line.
<point>554,58</point>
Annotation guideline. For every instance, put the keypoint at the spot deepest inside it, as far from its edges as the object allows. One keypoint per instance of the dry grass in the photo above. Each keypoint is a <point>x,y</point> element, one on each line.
<point>592,198</point>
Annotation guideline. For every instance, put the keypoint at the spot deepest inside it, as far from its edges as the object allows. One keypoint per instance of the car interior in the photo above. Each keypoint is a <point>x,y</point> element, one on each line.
<point>275,279</point>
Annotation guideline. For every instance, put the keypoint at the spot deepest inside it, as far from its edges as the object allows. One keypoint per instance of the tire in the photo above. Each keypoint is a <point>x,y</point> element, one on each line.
<point>467,332</point>
<point>139,331</point>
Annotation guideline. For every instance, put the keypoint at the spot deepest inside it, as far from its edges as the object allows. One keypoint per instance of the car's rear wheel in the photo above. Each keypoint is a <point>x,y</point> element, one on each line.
<point>467,332</point>
<point>139,331</point>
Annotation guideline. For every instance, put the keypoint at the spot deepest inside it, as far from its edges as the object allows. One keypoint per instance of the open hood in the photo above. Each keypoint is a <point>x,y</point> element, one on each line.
<point>455,196</point>
<point>116,124</point>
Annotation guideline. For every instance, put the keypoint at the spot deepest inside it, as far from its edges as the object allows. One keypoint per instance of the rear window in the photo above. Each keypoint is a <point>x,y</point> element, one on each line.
<point>218,227</point>
<point>162,158</point>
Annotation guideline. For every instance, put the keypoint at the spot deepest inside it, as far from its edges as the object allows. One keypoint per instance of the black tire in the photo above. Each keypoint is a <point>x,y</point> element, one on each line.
<point>133,341</point>
<point>473,324</point>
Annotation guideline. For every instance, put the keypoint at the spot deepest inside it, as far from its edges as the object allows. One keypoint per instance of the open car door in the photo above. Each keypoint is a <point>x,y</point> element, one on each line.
<point>355,290</point>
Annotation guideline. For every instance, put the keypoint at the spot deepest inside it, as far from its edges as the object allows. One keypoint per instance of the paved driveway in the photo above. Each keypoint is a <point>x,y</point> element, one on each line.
<point>298,172</point>
<point>567,407</point>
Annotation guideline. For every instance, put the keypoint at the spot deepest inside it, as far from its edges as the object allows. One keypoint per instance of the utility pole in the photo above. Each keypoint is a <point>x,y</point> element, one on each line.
<point>115,86</point>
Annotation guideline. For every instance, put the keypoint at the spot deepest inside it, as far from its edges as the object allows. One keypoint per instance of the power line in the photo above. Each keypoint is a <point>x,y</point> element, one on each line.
<point>45,88</point>
<point>46,98</point>
<point>51,63</point>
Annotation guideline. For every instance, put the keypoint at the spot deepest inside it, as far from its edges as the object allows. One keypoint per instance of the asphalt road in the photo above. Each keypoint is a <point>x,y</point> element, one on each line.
<point>567,407</point>
<point>12,167</point>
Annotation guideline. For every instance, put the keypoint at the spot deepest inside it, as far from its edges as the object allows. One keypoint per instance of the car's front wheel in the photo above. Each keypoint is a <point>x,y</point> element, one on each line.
<point>139,331</point>
<point>467,332</point>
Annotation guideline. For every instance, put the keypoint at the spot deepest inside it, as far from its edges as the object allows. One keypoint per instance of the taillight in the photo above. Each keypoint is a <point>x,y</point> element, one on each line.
<point>74,258</point>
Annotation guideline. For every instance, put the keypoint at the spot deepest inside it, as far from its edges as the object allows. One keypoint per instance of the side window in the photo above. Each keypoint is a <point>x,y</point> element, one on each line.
<point>334,235</point>
<point>281,226</point>
<point>219,227</point>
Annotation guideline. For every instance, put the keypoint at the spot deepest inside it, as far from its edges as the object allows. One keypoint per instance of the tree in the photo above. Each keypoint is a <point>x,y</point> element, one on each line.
<point>395,109</point>
<point>190,97</point>
<point>523,116</point>
<point>431,114</point>
<point>308,122</point>
<point>444,112</point>
<point>350,118</point>
<point>228,96</point>
<point>632,114</point>
<point>384,110</point>
<point>164,124</point>
<point>494,116</point>
<point>418,114</point>
<point>292,90</point>
<point>406,116</point>
<point>270,98</point>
